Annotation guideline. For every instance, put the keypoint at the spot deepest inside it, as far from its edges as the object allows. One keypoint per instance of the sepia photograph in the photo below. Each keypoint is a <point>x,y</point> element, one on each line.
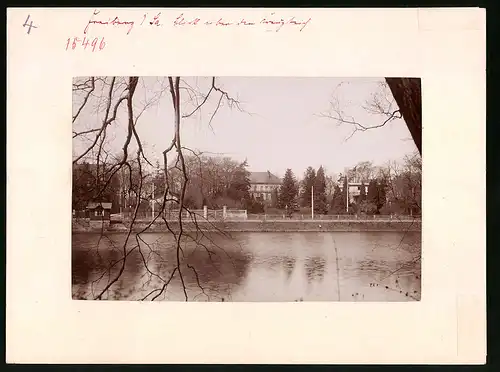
<point>267,198</point>
<point>246,189</point>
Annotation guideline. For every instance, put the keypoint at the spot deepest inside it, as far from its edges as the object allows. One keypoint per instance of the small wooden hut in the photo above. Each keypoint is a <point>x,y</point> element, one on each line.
<point>98,211</point>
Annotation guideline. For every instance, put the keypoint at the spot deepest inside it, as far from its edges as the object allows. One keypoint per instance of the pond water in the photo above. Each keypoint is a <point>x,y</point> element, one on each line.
<point>297,266</point>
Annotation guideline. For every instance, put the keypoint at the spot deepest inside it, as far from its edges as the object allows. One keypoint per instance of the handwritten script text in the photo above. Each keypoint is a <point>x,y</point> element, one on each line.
<point>273,23</point>
<point>113,22</point>
<point>269,23</point>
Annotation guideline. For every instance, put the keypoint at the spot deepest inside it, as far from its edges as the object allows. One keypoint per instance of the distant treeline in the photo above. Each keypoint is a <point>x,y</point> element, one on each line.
<point>394,188</point>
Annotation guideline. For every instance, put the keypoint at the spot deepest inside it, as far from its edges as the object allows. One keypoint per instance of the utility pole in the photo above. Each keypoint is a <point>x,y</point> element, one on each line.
<point>121,198</point>
<point>312,202</point>
<point>153,203</point>
<point>121,192</point>
<point>347,195</point>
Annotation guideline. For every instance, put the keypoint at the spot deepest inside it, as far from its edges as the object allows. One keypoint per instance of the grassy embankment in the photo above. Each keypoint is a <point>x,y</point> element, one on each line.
<point>266,226</point>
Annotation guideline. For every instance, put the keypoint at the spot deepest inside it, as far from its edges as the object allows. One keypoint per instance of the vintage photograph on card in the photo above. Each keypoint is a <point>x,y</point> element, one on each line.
<point>246,189</point>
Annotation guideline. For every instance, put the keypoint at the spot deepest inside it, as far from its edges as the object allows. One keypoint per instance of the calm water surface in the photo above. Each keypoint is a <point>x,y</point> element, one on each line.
<point>345,266</point>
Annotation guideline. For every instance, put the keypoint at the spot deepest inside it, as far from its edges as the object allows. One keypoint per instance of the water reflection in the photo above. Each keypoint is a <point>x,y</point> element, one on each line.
<point>94,269</point>
<point>315,268</point>
<point>270,262</point>
<point>288,266</point>
<point>214,275</point>
<point>372,266</point>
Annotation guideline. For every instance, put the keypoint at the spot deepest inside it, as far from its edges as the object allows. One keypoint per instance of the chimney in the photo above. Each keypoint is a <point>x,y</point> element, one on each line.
<point>269,174</point>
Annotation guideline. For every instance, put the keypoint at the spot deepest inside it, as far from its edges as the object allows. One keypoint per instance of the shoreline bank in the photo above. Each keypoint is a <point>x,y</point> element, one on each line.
<point>259,226</point>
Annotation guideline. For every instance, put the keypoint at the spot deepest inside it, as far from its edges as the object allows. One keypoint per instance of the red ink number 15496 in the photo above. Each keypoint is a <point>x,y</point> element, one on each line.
<point>96,44</point>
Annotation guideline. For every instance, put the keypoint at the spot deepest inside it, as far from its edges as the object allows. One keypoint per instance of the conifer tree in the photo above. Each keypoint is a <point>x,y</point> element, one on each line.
<point>338,201</point>
<point>320,203</point>
<point>288,192</point>
<point>307,183</point>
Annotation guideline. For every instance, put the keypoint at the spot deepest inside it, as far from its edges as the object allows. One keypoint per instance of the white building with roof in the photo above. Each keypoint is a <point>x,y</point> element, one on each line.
<point>262,185</point>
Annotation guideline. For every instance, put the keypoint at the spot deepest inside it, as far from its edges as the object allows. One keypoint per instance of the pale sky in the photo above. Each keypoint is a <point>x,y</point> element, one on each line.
<point>280,129</point>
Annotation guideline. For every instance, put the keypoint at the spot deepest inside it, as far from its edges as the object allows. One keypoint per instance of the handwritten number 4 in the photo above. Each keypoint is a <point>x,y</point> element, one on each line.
<point>30,25</point>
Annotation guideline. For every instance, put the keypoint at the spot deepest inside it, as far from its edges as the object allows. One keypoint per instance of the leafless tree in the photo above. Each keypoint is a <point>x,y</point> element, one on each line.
<point>403,180</point>
<point>397,98</point>
<point>105,98</point>
<point>361,172</point>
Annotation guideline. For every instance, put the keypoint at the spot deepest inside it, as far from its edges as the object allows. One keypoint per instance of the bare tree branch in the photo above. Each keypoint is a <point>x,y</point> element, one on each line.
<point>136,180</point>
<point>375,107</point>
<point>92,87</point>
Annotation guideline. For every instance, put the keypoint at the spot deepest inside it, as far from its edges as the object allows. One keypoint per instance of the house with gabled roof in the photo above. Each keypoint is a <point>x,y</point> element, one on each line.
<point>262,185</point>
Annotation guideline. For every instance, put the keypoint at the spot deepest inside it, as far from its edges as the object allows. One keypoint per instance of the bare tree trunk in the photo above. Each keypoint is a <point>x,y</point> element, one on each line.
<point>407,93</point>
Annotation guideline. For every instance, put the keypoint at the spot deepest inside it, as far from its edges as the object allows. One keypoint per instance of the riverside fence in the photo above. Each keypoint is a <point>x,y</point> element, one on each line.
<point>201,215</point>
<point>191,214</point>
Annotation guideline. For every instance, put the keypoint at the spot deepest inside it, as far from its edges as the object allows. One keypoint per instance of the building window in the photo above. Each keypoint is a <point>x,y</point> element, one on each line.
<point>99,213</point>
